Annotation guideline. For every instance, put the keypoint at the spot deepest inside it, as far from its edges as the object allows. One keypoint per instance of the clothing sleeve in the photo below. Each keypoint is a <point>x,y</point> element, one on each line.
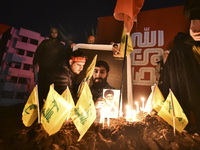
<point>192,9</point>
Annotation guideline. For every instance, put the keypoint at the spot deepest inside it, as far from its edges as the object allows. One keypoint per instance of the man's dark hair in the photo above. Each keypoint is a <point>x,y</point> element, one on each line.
<point>78,53</point>
<point>102,63</point>
<point>108,92</point>
<point>115,45</point>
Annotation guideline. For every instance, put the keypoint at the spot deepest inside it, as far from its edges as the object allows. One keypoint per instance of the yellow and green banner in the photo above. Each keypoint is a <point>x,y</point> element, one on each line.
<point>89,73</point>
<point>84,112</point>
<point>68,97</point>
<point>166,112</point>
<point>54,112</point>
<point>129,48</point>
<point>30,111</point>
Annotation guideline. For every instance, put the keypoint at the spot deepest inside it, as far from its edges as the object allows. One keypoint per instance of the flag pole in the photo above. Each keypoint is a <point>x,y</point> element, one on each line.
<point>38,103</point>
<point>123,69</point>
<point>174,125</point>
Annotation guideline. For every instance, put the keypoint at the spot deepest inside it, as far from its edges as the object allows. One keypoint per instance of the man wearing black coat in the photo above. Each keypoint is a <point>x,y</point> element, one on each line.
<point>49,56</point>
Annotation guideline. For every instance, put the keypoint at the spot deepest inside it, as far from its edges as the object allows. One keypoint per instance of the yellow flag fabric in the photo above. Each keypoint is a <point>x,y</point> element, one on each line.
<point>158,99</point>
<point>68,97</point>
<point>84,112</point>
<point>89,73</point>
<point>54,112</point>
<point>90,69</point>
<point>166,113</point>
<point>129,49</point>
<point>30,111</point>
<point>155,100</point>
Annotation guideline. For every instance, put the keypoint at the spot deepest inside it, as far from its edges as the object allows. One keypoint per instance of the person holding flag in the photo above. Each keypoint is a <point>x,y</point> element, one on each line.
<point>67,75</point>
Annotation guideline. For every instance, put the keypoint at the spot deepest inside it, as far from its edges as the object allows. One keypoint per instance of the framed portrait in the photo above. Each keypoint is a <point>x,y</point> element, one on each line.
<point>111,99</point>
<point>105,53</point>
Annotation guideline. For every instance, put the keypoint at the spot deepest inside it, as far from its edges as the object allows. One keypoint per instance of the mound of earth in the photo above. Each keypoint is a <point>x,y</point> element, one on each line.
<point>152,133</point>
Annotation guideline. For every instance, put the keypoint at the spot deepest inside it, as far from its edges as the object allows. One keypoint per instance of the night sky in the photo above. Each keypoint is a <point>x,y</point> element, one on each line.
<point>74,19</point>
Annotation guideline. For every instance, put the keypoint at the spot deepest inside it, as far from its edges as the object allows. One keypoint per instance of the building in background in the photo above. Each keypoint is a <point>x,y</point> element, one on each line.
<point>17,48</point>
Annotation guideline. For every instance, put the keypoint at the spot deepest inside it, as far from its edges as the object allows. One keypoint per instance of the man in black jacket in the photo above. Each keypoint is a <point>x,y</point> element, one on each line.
<point>49,56</point>
<point>67,74</point>
<point>182,69</point>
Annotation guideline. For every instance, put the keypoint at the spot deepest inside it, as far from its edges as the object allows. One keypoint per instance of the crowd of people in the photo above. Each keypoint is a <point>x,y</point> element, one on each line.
<point>55,64</point>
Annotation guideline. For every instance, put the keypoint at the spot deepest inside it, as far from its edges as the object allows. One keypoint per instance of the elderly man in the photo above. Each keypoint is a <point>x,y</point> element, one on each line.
<point>99,79</point>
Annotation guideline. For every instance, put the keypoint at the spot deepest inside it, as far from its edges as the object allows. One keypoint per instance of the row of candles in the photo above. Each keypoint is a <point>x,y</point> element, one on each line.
<point>131,114</point>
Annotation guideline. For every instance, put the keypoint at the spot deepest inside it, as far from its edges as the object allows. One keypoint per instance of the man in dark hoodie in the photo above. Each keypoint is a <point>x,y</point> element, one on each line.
<point>182,69</point>
<point>49,56</point>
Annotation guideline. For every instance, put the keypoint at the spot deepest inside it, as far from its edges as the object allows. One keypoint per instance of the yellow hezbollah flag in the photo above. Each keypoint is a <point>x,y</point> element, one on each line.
<point>89,73</point>
<point>30,111</point>
<point>166,112</point>
<point>67,96</point>
<point>90,69</point>
<point>84,112</point>
<point>129,49</point>
<point>158,99</point>
<point>54,112</point>
<point>155,100</point>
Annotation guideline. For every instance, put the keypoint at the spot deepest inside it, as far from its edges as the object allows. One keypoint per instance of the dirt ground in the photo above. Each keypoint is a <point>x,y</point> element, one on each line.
<point>152,133</point>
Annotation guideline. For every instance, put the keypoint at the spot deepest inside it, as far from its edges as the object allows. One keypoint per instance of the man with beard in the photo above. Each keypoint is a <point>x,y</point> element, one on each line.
<point>49,56</point>
<point>182,69</point>
<point>99,79</point>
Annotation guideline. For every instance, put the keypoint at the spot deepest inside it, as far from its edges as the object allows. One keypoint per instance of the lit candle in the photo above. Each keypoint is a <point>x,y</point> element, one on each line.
<point>133,115</point>
<point>127,112</point>
<point>102,117</point>
<point>137,107</point>
<point>142,103</point>
<point>108,122</point>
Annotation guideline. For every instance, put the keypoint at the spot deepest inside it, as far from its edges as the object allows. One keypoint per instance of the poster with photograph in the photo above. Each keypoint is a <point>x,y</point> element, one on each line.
<point>104,52</point>
<point>111,99</point>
